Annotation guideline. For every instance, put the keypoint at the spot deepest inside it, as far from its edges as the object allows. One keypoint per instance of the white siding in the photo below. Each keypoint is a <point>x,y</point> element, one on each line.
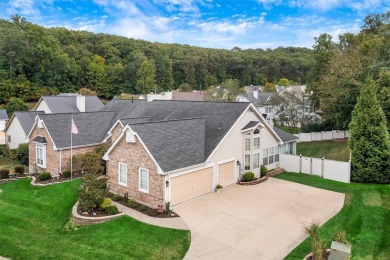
<point>17,134</point>
<point>43,107</point>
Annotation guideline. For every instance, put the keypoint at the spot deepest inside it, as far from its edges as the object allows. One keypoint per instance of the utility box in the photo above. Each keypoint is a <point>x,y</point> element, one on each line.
<point>339,251</point>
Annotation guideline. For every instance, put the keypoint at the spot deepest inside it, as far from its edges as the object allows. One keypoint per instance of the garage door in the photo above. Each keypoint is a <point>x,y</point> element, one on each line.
<point>191,185</point>
<point>226,173</point>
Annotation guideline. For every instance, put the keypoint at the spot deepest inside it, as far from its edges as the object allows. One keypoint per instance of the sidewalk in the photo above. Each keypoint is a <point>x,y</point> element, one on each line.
<point>176,223</point>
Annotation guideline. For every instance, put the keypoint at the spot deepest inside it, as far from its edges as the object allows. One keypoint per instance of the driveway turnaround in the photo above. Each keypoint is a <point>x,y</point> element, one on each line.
<point>263,221</point>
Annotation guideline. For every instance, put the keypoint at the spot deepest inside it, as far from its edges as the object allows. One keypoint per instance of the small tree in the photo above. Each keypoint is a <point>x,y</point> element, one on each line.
<point>87,92</point>
<point>229,90</point>
<point>369,139</point>
<point>15,104</point>
<point>269,87</point>
<point>185,87</point>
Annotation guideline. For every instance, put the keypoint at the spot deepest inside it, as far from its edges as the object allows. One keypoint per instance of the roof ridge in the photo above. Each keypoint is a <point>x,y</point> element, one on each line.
<point>77,113</point>
<point>170,120</point>
<point>206,101</point>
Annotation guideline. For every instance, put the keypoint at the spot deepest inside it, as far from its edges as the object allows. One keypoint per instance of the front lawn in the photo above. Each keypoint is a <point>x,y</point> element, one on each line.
<point>365,217</point>
<point>333,150</point>
<point>34,224</point>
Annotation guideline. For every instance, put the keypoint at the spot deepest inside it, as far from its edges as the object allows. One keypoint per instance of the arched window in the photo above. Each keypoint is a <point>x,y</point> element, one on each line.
<point>257,131</point>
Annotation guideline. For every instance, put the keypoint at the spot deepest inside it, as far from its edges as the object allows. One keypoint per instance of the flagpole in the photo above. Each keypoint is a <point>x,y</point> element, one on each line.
<point>71,144</point>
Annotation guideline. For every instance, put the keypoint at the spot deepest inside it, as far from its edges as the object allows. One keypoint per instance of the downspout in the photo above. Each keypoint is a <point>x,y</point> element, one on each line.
<point>60,162</point>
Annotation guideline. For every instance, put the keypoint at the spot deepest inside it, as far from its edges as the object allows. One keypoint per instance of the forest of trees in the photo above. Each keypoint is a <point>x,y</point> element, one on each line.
<point>36,60</point>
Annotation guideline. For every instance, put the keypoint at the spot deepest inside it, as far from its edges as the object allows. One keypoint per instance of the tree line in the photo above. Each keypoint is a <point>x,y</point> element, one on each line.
<point>35,61</point>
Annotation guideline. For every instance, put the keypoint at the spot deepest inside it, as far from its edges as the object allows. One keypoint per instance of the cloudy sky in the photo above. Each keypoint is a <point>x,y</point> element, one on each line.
<point>206,23</point>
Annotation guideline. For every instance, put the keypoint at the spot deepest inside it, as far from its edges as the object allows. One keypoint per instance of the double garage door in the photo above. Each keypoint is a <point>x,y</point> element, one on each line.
<point>195,184</point>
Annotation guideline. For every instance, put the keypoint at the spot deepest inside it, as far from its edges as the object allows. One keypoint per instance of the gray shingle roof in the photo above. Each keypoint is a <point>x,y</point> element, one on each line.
<point>3,114</point>
<point>215,113</point>
<point>126,121</point>
<point>27,119</point>
<point>250,125</point>
<point>174,144</point>
<point>261,100</point>
<point>67,104</point>
<point>286,137</point>
<point>92,127</point>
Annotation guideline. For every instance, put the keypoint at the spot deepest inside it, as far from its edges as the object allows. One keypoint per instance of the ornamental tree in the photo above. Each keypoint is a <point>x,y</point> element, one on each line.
<point>369,139</point>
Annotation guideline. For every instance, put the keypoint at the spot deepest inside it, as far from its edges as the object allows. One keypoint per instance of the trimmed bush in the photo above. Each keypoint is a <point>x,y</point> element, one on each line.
<point>4,174</point>
<point>116,197</point>
<point>112,210</point>
<point>263,171</point>
<point>19,169</point>
<point>44,176</point>
<point>66,174</point>
<point>132,203</point>
<point>106,203</point>
<point>142,207</point>
<point>248,176</point>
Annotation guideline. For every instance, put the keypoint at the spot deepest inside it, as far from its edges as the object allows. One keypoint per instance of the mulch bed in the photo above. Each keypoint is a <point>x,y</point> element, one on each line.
<point>96,212</point>
<point>145,209</point>
<point>55,180</point>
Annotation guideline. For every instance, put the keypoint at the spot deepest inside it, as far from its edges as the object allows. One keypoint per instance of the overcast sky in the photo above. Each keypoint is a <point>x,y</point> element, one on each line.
<point>206,23</point>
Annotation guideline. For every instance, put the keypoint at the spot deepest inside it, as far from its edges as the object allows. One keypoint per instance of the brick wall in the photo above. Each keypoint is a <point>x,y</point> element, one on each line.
<point>135,156</point>
<point>116,132</point>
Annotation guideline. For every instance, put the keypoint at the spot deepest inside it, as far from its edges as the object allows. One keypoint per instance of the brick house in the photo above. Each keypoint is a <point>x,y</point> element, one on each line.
<point>50,139</point>
<point>177,150</point>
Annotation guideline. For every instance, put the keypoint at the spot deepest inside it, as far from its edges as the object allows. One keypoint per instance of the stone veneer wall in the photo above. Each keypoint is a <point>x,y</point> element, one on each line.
<point>52,156</point>
<point>135,156</point>
<point>116,132</point>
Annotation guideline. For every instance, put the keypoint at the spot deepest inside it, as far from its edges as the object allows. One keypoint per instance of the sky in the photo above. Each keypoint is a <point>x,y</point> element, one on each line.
<point>205,23</point>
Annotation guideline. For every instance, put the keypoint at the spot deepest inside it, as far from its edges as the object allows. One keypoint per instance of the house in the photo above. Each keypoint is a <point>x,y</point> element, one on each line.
<point>179,150</point>
<point>50,138</point>
<point>3,123</point>
<point>189,96</point>
<point>19,126</point>
<point>68,104</point>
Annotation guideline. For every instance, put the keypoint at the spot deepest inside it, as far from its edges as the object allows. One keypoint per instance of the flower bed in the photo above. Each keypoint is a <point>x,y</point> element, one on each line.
<point>254,182</point>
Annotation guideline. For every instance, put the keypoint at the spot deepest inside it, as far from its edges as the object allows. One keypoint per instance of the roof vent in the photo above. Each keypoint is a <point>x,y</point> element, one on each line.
<point>40,123</point>
<point>220,125</point>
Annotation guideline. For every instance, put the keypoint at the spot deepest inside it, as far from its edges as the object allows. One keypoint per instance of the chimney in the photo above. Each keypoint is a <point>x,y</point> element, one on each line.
<point>80,103</point>
<point>256,93</point>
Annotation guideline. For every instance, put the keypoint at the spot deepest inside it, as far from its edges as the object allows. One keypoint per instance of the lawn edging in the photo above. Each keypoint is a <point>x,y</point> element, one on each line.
<point>85,220</point>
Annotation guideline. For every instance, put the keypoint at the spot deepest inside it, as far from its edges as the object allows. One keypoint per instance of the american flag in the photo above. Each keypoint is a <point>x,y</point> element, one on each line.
<point>74,128</point>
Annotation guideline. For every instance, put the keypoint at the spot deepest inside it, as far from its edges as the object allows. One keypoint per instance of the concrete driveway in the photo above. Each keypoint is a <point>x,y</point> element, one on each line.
<point>255,222</point>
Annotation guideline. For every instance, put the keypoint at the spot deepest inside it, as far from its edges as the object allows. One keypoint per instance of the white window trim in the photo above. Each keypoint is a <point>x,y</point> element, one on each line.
<point>119,174</point>
<point>43,148</point>
<point>139,180</point>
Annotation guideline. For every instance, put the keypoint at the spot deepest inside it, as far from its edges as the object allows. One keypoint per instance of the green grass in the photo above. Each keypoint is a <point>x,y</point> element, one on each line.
<point>34,224</point>
<point>365,217</point>
<point>333,150</point>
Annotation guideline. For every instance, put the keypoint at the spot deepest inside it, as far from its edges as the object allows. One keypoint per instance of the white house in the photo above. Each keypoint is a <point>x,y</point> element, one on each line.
<point>3,123</point>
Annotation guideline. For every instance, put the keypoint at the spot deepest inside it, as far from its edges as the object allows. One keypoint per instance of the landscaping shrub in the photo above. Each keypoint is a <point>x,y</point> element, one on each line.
<point>112,210</point>
<point>106,203</point>
<point>4,174</point>
<point>44,176</point>
<point>132,203</point>
<point>248,176</point>
<point>219,186</point>
<point>263,171</point>
<point>19,169</point>
<point>66,174</point>
<point>142,207</point>
<point>92,191</point>
<point>116,197</point>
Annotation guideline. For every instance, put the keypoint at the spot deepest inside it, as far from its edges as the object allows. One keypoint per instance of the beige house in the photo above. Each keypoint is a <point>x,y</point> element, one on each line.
<point>3,123</point>
<point>187,148</point>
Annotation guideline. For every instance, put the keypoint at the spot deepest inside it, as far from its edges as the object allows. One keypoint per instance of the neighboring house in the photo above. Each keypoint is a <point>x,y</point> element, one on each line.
<point>50,138</point>
<point>3,123</point>
<point>187,148</point>
<point>68,104</point>
<point>189,96</point>
<point>19,126</point>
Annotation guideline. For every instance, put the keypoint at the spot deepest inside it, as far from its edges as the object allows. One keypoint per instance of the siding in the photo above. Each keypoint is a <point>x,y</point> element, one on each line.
<point>17,134</point>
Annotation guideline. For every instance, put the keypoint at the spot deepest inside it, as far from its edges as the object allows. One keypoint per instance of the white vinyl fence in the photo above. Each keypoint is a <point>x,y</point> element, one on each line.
<point>322,136</point>
<point>327,169</point>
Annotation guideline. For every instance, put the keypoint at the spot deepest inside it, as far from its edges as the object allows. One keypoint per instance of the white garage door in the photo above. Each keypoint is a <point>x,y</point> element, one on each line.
<point>226,173</point>
<point>191,185</point>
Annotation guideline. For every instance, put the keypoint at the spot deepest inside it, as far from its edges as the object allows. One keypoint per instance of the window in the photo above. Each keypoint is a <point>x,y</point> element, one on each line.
<point>265,157</point>
<point>256,143</point>
<point>247,144</point>
<point>144,180</point>
<point>276,154</point>
<point>247,162</point>
<point>257,131</point>
<point>270,155</point>
<point>268,110</point>
<point>256,161</point>
<point>122,178</point>
<point>8,139</point>
<point>41,155</point>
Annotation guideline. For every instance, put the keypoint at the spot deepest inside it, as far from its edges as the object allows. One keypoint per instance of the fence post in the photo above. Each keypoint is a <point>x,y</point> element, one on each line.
<point>300,163</point>
<point>322,167</point>
<point>311,165</point>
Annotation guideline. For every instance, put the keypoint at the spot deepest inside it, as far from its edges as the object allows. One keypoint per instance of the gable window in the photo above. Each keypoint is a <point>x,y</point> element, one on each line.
<point>41,155</point>
<point>247,144</point>
<point>256,161</point>
<point>276,154</point>
<point>265,157</point>
<point>143,180</point>
<point>257,131</point>
<point>122,173</point>
<point>8,139</point>
<point>268,109</point>
<point>271,155</point>
<point>256,143</point>
<point>247,162</point>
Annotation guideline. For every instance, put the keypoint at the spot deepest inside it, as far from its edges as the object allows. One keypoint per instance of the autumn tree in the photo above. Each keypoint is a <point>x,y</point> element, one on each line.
<point>369,139</point>
<point>269,88</point>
